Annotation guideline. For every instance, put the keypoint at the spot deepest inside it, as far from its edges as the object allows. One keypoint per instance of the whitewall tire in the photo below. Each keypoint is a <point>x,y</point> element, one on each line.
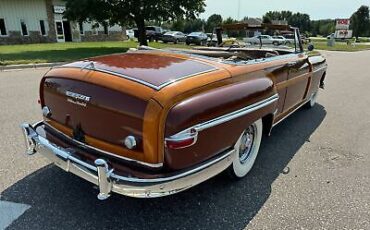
<point>246,150</point>
<point>313,100</point>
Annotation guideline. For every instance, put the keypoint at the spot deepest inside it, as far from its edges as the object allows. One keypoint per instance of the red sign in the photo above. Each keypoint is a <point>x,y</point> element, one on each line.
<point>343,21</point>
<point>343,24</point>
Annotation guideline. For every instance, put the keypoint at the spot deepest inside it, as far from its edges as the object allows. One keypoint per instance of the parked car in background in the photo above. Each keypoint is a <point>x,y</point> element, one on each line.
<point>174,36</point>
<point>198,38</point>
<point>280,38</point>
<point>289,39</point>
<point>265,39</point>
<point>130,34</point>
<point>153,33</point>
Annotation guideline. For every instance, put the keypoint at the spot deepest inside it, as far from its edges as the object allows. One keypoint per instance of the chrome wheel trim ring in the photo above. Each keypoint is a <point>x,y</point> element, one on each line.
<point>248,156</point>
<point>247,143</point>
<point>313,99</point>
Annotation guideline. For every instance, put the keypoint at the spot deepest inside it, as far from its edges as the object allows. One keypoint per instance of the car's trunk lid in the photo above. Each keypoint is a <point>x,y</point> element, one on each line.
<point>94,111</point>
<point>153,69</point>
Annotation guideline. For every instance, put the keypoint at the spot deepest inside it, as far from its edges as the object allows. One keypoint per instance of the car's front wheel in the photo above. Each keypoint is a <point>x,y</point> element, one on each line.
<point>313,99</point>
<point>246,150</point>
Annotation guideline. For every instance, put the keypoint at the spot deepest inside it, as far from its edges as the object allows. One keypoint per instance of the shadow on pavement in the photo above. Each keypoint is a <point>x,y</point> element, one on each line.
<point>60,200</point>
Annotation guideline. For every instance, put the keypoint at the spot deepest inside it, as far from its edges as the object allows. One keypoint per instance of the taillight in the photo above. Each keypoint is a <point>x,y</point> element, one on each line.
<point>182,140</point>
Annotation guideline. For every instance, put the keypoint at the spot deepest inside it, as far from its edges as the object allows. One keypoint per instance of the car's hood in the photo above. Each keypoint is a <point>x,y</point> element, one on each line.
<point>155,69</point>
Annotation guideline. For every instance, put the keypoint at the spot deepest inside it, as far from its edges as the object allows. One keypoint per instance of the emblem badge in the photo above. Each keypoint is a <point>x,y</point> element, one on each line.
<point>77,99</point>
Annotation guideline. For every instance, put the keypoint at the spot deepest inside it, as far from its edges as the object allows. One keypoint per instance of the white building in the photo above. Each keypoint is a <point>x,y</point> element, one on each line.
<point>35,21</point>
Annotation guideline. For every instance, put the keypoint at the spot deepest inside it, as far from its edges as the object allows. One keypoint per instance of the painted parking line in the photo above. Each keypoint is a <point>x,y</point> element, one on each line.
<point>9,212</point>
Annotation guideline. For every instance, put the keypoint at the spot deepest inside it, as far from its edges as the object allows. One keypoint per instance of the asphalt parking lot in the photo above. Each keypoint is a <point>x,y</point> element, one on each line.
<point>312,173</point>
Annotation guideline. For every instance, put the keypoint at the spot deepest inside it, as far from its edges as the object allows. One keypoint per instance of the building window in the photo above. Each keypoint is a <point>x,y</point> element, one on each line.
<point>42,28</point>
<point>24,27</point>
<point>2,27</point>
<point>81,26</point>
<point>106,31</point>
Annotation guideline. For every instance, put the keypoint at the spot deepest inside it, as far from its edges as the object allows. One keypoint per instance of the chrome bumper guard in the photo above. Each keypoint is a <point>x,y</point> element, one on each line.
<point>104,177</point>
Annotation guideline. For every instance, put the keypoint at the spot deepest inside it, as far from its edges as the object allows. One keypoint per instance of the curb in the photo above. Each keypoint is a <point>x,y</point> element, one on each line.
<point>30,66</point>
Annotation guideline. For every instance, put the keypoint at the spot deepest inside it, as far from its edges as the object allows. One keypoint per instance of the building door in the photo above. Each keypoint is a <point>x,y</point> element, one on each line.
<point>67,31</point>
<point>60,31</point>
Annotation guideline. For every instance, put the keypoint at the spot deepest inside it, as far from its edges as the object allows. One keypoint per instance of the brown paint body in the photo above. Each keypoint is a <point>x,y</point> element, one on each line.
<point>122,106</point>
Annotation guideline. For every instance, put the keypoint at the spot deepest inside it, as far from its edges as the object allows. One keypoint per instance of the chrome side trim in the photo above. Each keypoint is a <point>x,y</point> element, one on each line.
<point>185,77</point>
<point>87,67</point>
<point>225,118</point>
<point>83,145</point>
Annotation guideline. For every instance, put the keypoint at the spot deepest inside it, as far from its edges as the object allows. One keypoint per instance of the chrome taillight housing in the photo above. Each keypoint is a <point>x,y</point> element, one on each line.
<point>183,139</point>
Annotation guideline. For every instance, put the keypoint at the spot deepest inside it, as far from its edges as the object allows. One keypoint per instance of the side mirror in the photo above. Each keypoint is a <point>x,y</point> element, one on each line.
<point>310,47</point>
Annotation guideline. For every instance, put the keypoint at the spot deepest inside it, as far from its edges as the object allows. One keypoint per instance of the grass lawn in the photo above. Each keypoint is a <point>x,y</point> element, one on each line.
<point>321,44</point>
<point>340,46</point>
<point>65,52</point>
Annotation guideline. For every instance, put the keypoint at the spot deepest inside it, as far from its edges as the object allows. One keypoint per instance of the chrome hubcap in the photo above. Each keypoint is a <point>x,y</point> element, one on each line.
<point>313,99</point>
<point>246,144</point>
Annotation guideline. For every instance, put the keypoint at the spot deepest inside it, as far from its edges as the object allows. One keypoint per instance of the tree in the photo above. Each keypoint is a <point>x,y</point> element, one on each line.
<point>360,21</point>
<point>123,12</point>
<point>213,21</point>
<point>322,27</point>
<point>195,25</point>
<point>277,15</point>
<point>302,21</point>
<point>178,25</point>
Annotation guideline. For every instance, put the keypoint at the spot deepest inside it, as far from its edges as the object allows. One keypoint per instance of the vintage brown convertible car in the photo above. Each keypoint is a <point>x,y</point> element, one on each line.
<point>150,123</point>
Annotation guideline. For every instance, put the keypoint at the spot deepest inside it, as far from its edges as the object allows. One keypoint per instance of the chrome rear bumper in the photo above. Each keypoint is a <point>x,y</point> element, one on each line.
<point>105,178</point>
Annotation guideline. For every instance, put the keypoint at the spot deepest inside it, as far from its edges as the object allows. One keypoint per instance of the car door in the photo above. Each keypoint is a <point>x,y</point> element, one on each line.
<point>182,37</point>
<point>298,81</point>
<point>266,39</point>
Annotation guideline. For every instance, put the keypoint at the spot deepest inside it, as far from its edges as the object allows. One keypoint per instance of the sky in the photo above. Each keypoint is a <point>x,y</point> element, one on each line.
<point>317,9</point>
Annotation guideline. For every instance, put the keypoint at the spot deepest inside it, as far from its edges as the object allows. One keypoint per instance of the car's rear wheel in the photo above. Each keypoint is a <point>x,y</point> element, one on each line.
<point>246,150</point>
<point>275,43</point>
<point>176,41</point>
